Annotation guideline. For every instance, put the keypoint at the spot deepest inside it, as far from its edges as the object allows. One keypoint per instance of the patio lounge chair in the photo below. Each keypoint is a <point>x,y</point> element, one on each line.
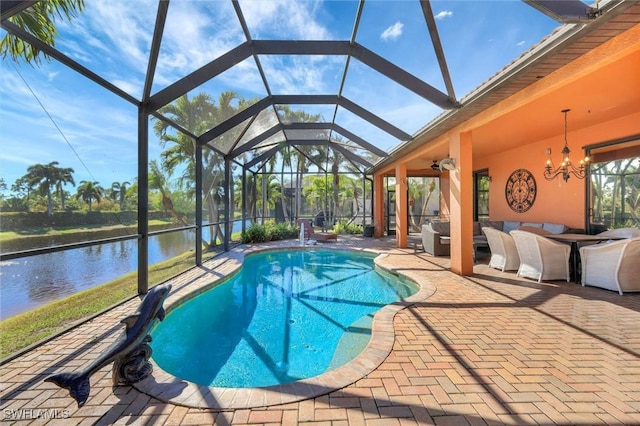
<point>310,234</point>
<point>540,257</point>
<point>504,255</point>
<point>612,266</point>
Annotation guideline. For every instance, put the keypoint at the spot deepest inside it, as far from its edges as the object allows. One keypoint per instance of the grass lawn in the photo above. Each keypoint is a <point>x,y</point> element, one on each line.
<point>8,235</point>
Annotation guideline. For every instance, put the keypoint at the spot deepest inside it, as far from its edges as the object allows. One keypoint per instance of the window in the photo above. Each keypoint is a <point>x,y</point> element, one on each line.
<point>481,181</point>
<point>614,193</point>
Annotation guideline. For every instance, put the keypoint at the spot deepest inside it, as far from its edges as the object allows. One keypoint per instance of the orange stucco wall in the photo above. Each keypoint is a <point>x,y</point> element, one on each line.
<point>556,201</point>
<point>461,203</point>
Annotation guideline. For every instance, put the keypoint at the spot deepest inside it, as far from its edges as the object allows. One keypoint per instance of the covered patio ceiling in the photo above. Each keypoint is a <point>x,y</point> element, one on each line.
<point>592,97</point>
<point>345,120</point>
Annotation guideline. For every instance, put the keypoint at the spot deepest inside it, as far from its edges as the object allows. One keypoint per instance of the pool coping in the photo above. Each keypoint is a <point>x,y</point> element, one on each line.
<point>168,388</point>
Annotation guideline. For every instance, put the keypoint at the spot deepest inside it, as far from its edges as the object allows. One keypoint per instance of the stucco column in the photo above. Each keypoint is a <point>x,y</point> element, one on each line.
<point>378,204</point>
<point>401,205</point>
<point>461,203</point>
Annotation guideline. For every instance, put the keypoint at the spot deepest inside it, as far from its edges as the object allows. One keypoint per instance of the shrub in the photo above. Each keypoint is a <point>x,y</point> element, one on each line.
<point>270,231</point>
<point>343,227</point>
<point>281,231</point>
<point>254,234</point>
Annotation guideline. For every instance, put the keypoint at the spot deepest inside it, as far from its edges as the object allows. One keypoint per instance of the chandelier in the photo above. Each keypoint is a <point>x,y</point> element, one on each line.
<point>566,168</point>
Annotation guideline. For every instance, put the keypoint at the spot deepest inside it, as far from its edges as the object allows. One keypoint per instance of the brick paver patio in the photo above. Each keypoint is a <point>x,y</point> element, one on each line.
<point>486,349</point>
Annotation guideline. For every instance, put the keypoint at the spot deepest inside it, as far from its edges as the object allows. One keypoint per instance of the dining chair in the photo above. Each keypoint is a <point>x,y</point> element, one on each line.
<point>504,255</point>
<point>540,257</point>
<point>613,266</point>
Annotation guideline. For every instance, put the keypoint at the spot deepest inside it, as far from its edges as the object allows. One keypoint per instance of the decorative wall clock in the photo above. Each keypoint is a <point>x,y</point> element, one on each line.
<point>520,190</point>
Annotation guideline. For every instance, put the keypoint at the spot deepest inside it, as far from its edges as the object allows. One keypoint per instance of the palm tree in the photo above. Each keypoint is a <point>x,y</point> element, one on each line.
<point>421,191</point>
<point>633,199</point>
<point>64,176</point>
<point>302,154</point>
<point>199,115</point>
<point>38,20</point>
<point>196,114</point>
<point>317,191</point>
<point>619,192</point>
<point>157,180</point>
<point>213,190</point>
<point>598,173</point>
<point>45,177</point>
<point>254,200</point>
<point>350,190</point>
<point>337,160</point>
<point>266,180</point>
<point>271,187</point>
<point>90,191</point>
<point>285,152</point>
<point>119,192</point>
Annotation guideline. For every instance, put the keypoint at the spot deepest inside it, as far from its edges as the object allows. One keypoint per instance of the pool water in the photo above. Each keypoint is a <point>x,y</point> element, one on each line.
<point>285,316</point>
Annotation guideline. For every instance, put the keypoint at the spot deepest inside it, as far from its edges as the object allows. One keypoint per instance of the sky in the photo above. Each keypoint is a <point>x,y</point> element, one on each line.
<point>51,113</point>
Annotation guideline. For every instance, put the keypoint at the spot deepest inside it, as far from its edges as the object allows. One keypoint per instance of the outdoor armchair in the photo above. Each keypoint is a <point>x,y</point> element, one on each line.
<point>540,257</point>
<point>433,244</point>
<point>504,255</point>
<point>612,266</point>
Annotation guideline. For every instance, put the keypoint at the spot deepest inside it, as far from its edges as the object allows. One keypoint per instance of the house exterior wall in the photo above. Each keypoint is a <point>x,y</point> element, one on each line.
<point>556,201</point>
<point>602,90</point>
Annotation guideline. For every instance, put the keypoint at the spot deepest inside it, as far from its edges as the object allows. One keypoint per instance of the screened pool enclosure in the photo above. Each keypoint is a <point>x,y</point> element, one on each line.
<point>200,118</point>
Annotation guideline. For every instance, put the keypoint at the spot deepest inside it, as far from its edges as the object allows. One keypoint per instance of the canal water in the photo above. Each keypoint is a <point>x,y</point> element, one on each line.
<point>30,282</point>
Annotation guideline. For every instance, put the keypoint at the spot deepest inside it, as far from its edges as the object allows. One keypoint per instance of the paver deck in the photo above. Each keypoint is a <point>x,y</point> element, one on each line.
<point>485,349</point>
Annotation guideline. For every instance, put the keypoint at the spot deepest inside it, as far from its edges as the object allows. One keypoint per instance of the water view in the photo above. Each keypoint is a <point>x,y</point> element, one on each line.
<point>30,282</point>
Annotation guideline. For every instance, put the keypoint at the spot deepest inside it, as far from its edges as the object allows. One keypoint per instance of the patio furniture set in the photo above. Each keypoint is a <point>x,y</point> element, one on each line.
<point>436,237</point>
<point>610,260</point>
<point>548,251</point>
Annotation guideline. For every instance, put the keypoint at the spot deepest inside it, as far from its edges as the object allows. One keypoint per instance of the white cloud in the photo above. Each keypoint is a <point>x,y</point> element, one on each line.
<point>196,33</point>
<point>393,32</point>
<point>51,76</point>
<point>520,43</point>
<point>284,19</point>
<point>444,14</point>
<point>303,74</point>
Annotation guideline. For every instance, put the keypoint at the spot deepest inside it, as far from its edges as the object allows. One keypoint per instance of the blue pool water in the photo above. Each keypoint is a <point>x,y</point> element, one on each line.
<point>285,316</point>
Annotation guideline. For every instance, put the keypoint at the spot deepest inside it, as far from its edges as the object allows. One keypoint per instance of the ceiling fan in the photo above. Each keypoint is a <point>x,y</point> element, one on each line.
<point>444,164</point>
<point>447,164</point>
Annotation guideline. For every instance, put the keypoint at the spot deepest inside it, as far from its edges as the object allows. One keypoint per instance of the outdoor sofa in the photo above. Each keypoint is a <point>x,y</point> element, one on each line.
<point>436,236</point>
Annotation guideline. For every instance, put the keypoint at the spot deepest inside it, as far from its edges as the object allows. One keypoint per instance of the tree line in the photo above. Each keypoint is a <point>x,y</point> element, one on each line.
<point>172,175</point>
<point>43,184</point>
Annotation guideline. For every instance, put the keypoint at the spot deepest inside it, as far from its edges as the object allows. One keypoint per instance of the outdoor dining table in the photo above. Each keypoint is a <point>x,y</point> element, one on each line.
<point>577,241</point>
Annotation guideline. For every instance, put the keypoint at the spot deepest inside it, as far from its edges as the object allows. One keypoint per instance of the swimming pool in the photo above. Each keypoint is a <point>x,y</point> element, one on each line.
<point>285,316</point>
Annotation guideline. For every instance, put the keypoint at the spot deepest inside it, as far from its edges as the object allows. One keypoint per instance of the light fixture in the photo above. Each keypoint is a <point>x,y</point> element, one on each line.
<point>435,165</point>
<point>566,168</point>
